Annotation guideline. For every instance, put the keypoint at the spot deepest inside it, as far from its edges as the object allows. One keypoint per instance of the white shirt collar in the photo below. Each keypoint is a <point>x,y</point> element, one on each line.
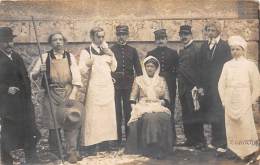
<point>216,40</point>
<point>9,56</point>
<point>186,45</point>
<point>94,46</point>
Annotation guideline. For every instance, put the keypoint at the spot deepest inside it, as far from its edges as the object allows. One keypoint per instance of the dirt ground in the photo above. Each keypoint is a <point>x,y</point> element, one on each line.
<point>179,157</point>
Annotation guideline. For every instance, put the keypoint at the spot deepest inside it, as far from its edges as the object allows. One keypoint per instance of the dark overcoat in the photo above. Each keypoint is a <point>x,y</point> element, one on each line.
<point>17,111</point>
<point>211,62</point>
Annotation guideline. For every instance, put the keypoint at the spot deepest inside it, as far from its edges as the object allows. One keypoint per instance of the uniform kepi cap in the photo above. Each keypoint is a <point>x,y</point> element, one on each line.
<point>122,29</point>
<point>161,33</point>
<point>185,29</point>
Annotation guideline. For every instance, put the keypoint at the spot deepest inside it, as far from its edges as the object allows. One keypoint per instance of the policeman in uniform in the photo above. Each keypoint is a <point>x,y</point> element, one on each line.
<point>189,80</point>
<point>168,59</point>
<point>128,66</point>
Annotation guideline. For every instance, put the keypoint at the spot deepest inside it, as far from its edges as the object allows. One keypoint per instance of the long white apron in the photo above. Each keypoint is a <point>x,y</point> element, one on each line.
<point>100,119</point>
<point>238,88</point>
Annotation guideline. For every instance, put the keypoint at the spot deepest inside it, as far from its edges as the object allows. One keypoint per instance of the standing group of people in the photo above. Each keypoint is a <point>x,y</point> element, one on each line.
<point>216,85</point>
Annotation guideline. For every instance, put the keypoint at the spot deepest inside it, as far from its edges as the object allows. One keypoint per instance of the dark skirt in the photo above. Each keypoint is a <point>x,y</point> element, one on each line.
<point>151,133</point>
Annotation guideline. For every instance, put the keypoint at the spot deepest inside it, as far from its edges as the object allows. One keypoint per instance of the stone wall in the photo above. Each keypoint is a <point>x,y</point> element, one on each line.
<point>75,18</point>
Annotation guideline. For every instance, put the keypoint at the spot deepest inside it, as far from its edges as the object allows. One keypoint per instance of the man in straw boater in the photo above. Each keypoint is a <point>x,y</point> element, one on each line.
<point>128,66</point>
<point>63,78</point>
<point>213,54</point>
<point>16,108</point>
<point>168,59</point>
<point>190,90</point>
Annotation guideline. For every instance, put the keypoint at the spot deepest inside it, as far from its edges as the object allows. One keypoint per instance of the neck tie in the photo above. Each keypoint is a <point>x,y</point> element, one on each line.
<point>9,56</point>
<point>212,44</point>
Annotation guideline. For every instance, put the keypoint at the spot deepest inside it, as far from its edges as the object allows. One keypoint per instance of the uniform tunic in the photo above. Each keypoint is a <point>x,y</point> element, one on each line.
<point>239,88</point>
<point>128,66</point>
<point>188,78</point>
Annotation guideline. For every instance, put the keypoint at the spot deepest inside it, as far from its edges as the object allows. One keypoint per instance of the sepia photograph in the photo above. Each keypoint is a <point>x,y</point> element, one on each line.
<point>129,82</point>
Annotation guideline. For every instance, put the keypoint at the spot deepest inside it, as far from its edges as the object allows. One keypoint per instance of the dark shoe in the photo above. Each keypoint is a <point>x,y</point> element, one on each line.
<point>200,146</point>
<point>73,158</point>
<point>34,161</point>
<point>186,144</point>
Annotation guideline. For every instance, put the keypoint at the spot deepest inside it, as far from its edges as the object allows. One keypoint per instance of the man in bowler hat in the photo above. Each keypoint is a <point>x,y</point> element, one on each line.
<point>128,66</point>
<point>188,81</point>
<point>16,108</point>
<point>168,59</point>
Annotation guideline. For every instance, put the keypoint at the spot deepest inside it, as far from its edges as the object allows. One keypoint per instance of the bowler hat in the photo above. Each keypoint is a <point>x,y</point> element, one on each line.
<point>69,115</point>
<point>122,29</point>
<point>185,29</point>
<point>161,33</point>
<point>6,34</point>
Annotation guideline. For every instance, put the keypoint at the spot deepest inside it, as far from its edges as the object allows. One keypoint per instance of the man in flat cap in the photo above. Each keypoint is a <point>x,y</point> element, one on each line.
<point>213,54</point>
<point>168,59</point>
<point>128,66</point>
<point>16,107</point>
<point>188,81</point>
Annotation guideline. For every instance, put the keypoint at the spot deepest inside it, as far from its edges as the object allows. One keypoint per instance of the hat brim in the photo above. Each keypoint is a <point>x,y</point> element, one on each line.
<point>122,32</point>
<point>185,32</point>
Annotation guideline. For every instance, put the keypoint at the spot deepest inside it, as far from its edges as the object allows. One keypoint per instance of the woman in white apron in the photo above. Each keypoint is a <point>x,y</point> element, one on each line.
<point>97,62</point>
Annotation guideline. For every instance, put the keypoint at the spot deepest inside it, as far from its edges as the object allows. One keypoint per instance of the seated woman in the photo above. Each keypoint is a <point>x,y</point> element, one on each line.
<point>150,131</point>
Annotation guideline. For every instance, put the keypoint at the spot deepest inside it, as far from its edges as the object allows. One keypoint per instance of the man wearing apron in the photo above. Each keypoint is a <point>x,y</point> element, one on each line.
<point>63,79</point>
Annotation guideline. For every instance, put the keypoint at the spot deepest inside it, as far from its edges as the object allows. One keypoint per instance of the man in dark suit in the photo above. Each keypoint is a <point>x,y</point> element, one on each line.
<point>16,108</point>
<point>168,59</point>
<point>188,81</point>
<point>128,66</point>
<point>214,53</point>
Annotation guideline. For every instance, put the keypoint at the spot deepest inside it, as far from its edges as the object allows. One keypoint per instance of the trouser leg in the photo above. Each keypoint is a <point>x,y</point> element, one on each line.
<point>30,151</point>
<point>53,141</point>
<point>219,138</point>
<point>71,137</point>
<point>173,125</point>
<point>195,133</point>
<point>118,95</point>
<point>172,92</point>
<point>187,128</point>
<point>6,158</point>
<point>198,133</point>
<point>127,108</point>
